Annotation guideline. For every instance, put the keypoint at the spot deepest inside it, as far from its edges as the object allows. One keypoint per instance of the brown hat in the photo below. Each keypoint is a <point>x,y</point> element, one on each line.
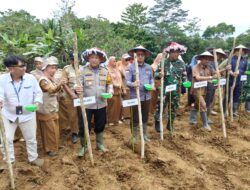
<point>140,48</point>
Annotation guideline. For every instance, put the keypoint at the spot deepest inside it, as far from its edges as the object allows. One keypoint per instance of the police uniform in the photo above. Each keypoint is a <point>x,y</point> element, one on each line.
<point>95,81</point>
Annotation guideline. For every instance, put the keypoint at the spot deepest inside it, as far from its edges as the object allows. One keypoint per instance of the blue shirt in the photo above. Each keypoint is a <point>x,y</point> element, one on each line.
<point>145,77</point>
<point>242,67</point>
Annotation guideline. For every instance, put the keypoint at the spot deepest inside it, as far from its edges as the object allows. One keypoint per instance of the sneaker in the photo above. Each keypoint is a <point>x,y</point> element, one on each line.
<point>37,162</point>
<point>51,154</point>
<point>213,112</point>
<point>74,138</point>
<point>111,124</point>
<point>120,122</point>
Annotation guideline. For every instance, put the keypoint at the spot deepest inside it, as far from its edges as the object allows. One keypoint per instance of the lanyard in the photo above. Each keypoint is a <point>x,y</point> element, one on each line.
<point>17,91</point>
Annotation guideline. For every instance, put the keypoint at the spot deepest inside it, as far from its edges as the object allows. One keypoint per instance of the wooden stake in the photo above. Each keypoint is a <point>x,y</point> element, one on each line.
<point>233,86</point>
<point>162,93</point>
<point>139,106</point>
<point>228,75</point>
<point>220,96</point>
<point>78,82</point>
<point>6,150</point>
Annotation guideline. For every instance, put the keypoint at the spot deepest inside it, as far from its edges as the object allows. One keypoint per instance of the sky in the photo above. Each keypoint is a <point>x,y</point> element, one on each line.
<point>210,12</point>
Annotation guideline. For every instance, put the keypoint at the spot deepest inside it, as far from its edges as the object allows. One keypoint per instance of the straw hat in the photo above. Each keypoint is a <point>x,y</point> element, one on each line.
<point>102,55</point>
<point>204,54</point>
<point>220,51</point>
<point>140,48</point>
<point>244,48</point>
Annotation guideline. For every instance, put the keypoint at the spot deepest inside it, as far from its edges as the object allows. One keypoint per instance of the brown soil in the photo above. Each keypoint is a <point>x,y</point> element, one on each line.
<point>190,158</point>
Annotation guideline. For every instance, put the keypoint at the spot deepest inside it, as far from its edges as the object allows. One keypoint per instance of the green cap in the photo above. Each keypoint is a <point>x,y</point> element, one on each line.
<point>187,84</point>
<point>106,95</point>
<point>215,81</point>
<point>31,107</point>
<point>248,72</point>
<point>148,86</point>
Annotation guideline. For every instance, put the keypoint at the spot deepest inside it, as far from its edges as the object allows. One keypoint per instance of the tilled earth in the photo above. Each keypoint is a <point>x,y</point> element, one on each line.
<point>190,158</point>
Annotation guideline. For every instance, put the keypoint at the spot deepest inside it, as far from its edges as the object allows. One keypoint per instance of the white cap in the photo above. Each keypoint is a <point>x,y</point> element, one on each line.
<point>39,59</point>
<point>50,61</point>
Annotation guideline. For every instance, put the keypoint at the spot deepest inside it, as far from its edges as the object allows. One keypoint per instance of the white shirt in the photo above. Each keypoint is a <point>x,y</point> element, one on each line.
<point>30,92</point>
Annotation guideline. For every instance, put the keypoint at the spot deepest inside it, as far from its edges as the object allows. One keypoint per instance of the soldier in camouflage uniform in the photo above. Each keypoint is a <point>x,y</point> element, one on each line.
<point>247,90</point>
<point>174,73</point>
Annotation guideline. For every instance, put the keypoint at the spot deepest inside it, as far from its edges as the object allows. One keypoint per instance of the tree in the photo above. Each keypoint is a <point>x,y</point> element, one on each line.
<point>135,15</point>
<point>192,26</point>
<point>15,22</point>
<point>222,30</point>
<point>165,18</point>
<point>167,11</point>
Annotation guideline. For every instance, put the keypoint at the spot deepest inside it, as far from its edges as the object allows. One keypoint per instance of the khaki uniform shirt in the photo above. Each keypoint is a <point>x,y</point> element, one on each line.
<point>37,74</point>
<point>200,70</point>
<point>95,82</point>
<point>50,89</point>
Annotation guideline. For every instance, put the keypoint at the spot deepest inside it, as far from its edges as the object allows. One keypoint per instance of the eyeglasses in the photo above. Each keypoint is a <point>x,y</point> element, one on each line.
<point>140,55</point>
<point>20,66</point>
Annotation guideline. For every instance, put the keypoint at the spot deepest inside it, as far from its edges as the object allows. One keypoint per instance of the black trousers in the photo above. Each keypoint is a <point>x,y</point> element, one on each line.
<point>144,111</point>
<point>99,120</point>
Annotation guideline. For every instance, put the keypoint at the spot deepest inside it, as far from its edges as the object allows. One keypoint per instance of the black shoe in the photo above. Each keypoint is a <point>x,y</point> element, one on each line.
<point>74,138</point>
<point>157,126</point>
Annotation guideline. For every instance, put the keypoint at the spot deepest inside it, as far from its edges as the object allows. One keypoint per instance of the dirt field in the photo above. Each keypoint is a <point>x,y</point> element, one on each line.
<point>190,158</point>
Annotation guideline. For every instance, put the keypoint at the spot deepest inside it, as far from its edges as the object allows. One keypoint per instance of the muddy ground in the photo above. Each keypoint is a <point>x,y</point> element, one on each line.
<point>190,158</point>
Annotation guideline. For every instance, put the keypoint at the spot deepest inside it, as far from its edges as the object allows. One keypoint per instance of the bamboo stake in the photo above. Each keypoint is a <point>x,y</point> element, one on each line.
<point>139,106</point>
<point>220,96</point>
<point>233,86</point>
<point>170,112</point>
<point>6,150</point>
<point>227,81</point>
<point>162,93</point>
<point>78,82</point>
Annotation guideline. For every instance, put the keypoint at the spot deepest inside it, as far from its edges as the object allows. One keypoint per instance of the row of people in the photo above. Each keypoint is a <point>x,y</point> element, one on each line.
<point>54,91</point>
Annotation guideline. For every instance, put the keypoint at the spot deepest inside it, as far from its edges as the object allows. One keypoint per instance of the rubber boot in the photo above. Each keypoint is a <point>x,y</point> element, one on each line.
<point>247,106</point>
<point>205,121</point>
<point>145,134</point>
<point>157,126</point>
<point>208,114</point>
<point>99,142</point>
<point>193,117</point>
<point>134,134</point>
<point>84,147</point>
<point>235,109</point>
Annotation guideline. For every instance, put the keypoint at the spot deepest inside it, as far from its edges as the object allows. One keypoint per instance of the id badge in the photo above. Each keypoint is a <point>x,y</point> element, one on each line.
<point>19,110</point>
